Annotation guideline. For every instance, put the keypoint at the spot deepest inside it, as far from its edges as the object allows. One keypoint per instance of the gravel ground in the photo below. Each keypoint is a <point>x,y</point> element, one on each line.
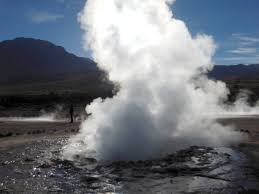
<point>30,163</point>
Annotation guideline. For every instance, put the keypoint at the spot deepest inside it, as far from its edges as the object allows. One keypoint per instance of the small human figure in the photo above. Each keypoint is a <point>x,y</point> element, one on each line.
<point>71,111</point>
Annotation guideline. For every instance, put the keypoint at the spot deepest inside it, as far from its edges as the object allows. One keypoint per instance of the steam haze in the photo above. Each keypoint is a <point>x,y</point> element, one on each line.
<point>165,100</point>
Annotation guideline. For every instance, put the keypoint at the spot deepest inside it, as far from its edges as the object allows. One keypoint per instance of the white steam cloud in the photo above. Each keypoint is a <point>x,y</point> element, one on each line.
<point>165,101</point>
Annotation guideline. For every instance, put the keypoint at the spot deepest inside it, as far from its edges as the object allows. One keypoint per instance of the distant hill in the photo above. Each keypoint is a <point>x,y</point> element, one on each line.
<point>36,74</point>
<point>33,66</point>
<point>239,77</point>
<point>25,57</point>
<point>228,72</point>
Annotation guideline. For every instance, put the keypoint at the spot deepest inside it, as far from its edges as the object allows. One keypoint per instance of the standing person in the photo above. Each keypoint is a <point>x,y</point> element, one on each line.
<point>71,111</point>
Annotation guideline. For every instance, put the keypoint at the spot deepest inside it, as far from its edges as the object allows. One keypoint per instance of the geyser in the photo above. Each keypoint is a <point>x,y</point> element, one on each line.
<point>165,100</point>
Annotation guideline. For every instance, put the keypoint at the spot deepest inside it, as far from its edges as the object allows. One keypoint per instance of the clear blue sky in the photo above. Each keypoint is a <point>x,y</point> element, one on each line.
<point>234,24</point>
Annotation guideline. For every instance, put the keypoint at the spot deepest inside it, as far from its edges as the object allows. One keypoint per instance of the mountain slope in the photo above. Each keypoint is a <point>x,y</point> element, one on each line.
<point>226,72</point>
<point>34,66</point>
<point>23,58</point>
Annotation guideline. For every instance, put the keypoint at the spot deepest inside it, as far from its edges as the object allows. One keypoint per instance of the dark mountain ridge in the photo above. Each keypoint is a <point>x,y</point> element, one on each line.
<point>27,58</point>
<point>36,74</point>
<point>31,64</point>
<point>226,72</point>
<point>37,66</point>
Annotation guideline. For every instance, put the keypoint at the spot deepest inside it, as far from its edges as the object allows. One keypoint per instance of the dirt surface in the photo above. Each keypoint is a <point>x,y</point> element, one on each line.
<point>21,128</point>
<point>30,162</point>
<point>250,126</point>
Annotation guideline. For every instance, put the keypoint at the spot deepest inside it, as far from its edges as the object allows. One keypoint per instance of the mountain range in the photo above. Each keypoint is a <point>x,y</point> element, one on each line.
<point>29,65</point>
<point>227,72</point>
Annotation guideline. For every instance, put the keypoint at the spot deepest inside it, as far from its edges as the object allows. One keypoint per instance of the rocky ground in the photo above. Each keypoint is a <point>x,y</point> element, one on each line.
<point>30,163</point>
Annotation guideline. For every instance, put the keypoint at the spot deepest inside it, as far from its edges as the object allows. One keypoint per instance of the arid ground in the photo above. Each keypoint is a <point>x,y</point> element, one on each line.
<point>30,163</point>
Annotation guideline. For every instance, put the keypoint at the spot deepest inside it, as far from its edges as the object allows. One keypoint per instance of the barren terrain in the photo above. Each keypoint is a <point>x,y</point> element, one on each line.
<point>30,163</point>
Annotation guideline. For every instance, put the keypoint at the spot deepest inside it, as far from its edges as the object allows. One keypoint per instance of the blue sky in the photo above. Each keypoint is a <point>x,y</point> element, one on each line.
<point>234,24</point>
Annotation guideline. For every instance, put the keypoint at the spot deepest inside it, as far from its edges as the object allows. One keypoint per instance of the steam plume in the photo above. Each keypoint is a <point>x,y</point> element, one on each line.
<point>164,98</point>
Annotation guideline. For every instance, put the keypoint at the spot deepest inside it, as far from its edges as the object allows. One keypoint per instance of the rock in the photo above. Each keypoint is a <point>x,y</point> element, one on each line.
<point>17,171</point>
<point>243,131</point>
<point>89,179</point>
<point>55,190</point>
<point>95,185</point>
<point>4,163</point>
<point>27,159</point>
<point>45,165</point>
<point>36,171</point>
<point>172,170</point>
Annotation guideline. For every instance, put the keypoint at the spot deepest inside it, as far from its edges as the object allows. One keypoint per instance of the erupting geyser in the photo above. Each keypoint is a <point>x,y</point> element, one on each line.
<point>165,101</point>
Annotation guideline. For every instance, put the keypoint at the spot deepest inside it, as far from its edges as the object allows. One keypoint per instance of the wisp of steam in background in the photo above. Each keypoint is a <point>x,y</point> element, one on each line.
<point>44,116</point>
<point>165,100</point>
